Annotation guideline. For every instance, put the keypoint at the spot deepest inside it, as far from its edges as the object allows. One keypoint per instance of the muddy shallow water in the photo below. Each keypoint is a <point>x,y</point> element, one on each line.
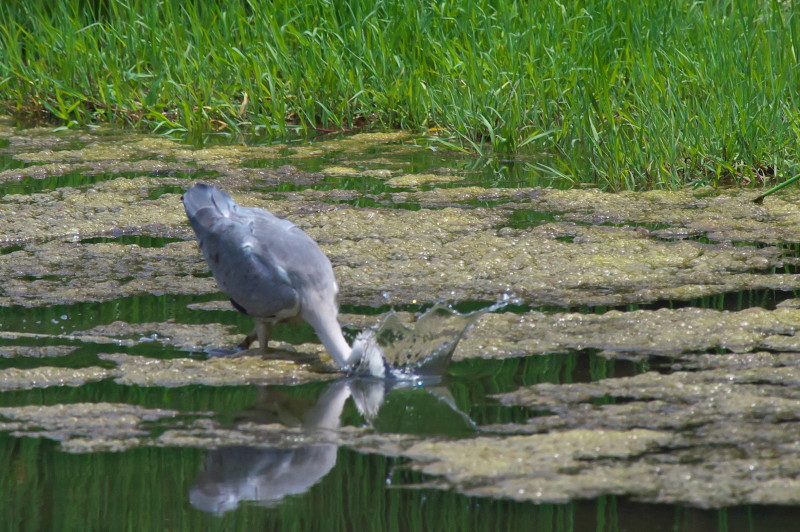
<point>649,366</point>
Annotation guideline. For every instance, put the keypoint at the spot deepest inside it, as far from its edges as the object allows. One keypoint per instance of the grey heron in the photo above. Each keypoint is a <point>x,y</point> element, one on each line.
<point>271,270</point>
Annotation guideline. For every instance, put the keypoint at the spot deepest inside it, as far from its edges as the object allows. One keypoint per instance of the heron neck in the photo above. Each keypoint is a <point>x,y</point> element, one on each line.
<point>330,334</point>
<point>337,347</point>
<point>328,408</point>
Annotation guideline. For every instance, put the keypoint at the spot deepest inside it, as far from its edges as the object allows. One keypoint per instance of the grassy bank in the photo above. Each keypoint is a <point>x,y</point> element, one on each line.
<point>625,94</point>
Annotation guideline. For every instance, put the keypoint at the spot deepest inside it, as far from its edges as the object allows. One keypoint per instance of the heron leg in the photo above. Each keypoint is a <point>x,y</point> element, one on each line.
<point>262,330</point>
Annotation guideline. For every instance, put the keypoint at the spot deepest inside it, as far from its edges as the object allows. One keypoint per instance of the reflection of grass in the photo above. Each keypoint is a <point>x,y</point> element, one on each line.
<point>57,319</point>
<point>78,178</point>
<point>632,94</point>
<point>71,179</point>
<point>145,241</point>
<point>146,488</point>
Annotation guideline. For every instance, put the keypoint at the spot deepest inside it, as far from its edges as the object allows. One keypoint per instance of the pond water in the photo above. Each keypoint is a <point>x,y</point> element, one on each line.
<point>647,376</point>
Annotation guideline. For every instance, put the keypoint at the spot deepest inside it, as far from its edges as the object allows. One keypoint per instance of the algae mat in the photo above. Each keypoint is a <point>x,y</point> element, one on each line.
<point>103,289</point>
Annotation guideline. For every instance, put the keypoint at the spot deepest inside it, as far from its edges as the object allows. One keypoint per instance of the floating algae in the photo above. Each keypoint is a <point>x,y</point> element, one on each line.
<point>664,332</point>
<point>44,377</point>
<point>84,427</point>
<point>35,351</point>
<point>720,429</point>
<point>673,333</point>
<point>97,272</point>
<point>731,428</point>
<point>721,216</point>
<point>712,438</point>
<point>184,336</point>
<point>416,180</point>
<point>217,371</point>
<point>553,467</point>
<point>463,253</point>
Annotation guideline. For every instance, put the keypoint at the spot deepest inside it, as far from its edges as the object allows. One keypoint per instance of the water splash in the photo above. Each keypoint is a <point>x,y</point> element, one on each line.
<point>417,351</point>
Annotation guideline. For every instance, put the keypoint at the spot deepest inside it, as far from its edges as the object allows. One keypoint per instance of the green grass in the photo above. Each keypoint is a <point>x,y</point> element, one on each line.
<point>623,94</point>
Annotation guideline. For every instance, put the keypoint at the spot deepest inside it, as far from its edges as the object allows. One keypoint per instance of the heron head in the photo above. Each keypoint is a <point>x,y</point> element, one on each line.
<point>367,356</point>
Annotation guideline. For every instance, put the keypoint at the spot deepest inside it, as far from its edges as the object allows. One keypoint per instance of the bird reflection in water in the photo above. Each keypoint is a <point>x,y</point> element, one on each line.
<point>266,475</point>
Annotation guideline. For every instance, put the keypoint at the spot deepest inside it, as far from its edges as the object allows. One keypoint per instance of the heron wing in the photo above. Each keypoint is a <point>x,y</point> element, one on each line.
<point>296,254</point>
<point>236,245</point>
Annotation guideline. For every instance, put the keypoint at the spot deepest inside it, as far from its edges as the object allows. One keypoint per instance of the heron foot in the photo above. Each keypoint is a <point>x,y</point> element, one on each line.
<point>223,352</point>
<point>247,342</point>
